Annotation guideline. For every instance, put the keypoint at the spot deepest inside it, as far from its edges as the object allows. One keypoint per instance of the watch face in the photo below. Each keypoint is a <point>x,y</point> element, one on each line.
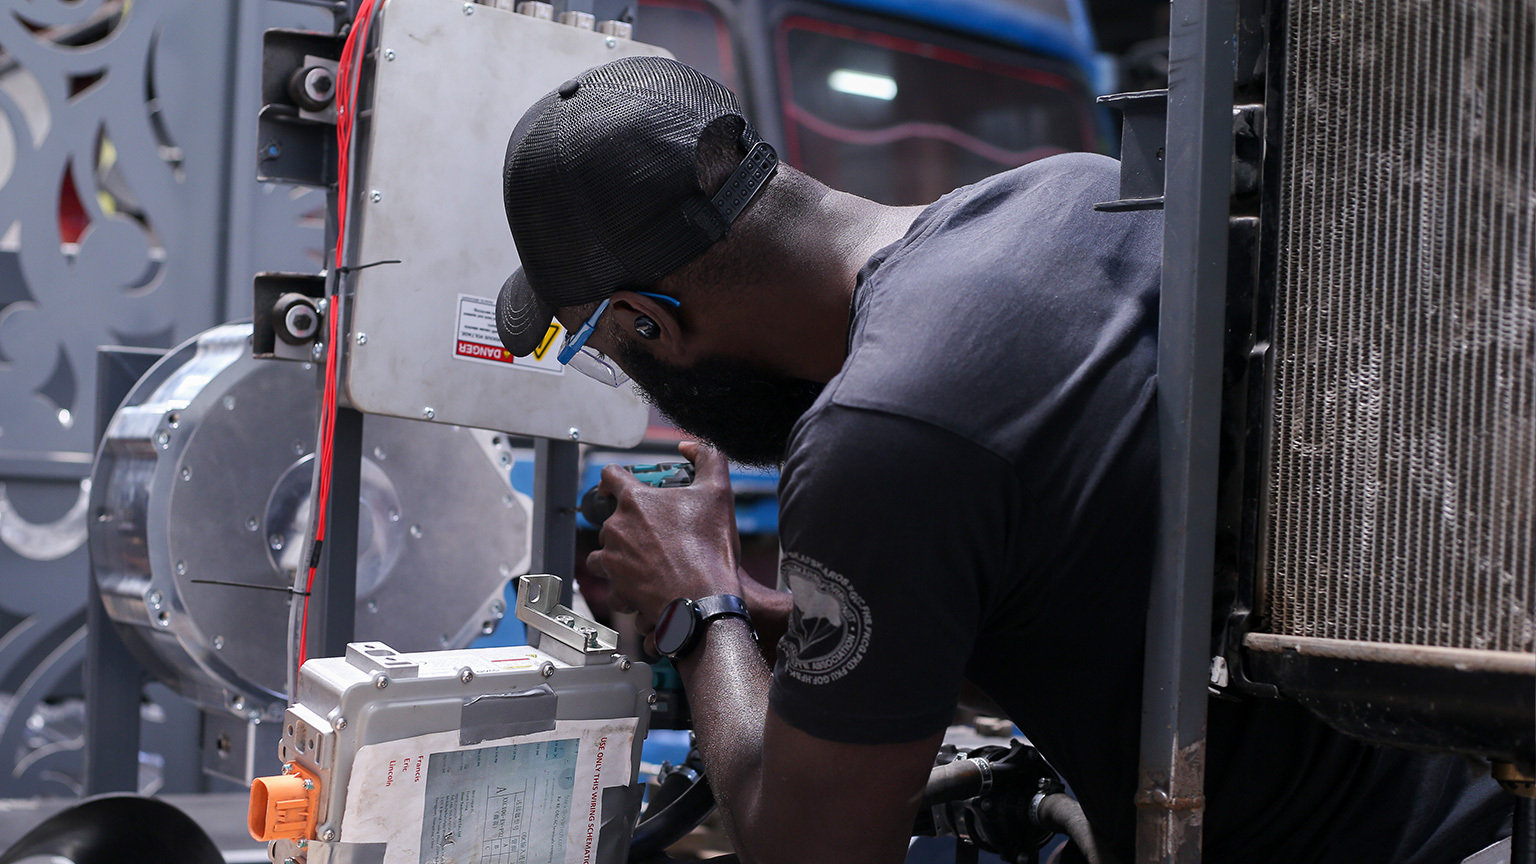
<point>674,630</point>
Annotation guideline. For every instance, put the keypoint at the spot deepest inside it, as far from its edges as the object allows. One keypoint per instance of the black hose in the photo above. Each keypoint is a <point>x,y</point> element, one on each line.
<point>1060,813</point>
<point>1523,844</point>
<point>660,827</point>
<point>953,781</point>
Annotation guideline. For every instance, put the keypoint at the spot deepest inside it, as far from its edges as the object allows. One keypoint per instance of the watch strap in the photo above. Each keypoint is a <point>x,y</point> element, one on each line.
<point>722,606</point>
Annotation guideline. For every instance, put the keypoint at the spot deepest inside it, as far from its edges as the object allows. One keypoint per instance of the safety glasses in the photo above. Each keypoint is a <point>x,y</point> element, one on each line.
<point>589,361</point>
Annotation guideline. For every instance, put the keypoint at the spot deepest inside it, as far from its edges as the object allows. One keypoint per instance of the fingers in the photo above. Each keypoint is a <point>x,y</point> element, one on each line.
<point>615,478</point>
<point>710,467</point>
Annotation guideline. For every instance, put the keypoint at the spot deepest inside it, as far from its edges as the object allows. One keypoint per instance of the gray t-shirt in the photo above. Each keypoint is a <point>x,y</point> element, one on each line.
<point>974,497</point>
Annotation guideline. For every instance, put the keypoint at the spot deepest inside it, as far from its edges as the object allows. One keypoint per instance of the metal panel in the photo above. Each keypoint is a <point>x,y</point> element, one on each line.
<point>452,80</point>
<point>1401,500</point>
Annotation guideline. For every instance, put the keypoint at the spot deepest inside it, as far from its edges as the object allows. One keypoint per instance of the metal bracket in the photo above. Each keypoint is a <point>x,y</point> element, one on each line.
<point>1143,136</point>
<point>268,290</point>
<point>295,144</point>
<point>572,638</point>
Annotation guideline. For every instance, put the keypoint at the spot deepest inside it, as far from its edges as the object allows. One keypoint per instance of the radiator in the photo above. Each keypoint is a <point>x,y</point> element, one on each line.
<point>1398,499</point>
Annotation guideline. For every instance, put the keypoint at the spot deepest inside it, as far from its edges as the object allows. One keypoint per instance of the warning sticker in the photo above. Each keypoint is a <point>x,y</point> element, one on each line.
<point>476,339</point>
<point>533,799</point>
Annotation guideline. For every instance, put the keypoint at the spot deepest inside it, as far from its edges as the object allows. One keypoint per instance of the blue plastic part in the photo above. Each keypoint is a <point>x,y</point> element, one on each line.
<point>665,745</point>
<point>1003,22</point>
<point>757,505</point>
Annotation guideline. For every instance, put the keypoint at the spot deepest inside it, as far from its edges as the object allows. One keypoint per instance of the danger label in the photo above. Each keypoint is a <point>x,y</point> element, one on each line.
<point>476,339</point>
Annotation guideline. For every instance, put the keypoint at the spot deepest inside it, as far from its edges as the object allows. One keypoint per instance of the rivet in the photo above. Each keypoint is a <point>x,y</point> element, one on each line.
<point>362,338</point>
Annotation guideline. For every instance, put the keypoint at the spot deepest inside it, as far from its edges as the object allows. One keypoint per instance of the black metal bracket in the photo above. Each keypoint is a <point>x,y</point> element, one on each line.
<point>1143,137</point>
<point>294,143</point>
<point>272,338</point>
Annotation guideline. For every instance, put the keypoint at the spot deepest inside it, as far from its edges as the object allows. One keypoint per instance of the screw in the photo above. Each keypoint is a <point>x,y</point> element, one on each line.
<point>186,472</point>
<point>547,670</point>
<point>381,680</point>
<point>181,568</point>
<point>362,338</point>
<point>389,53</point>
<point>156,598</point>
<point>651,698</point>
<point>625,664</point>
<point>588,635</point>
<point>329,835</point>
<point>237,703</point>
<point>416,531</point>
<point>341,723</point>
<point>317,351</point>
<point>288,767</point>
<point>218,643</point>
<point>229,403</point>
<point>375,196</point>
<point>466,675</point>
<point>574,434</point>
<point>251,524</point>
<point>428,413</point>
<point>276,542</point>
<point>163,438</point>
<point>301,843</point>
<point>289,861</point>
<point>567,620</point>
<point>498,608</point>
<point>612,42</point>
<point>308,783</point>
<point>504,458</point>
<point>380,453</point>
<point>298,446</point>
<point>469,8</point>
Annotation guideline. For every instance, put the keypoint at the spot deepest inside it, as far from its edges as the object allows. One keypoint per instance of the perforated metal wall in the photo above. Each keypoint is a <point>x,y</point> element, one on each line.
<point>1401,499</point>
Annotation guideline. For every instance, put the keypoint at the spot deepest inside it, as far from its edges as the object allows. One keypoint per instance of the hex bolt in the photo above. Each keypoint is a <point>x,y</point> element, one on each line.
<point>466,675</point>
<point>547,670</point>
<point>362,338</point>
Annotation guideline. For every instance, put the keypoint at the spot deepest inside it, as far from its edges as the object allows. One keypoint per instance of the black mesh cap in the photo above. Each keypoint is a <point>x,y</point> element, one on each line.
<point>601,191</point>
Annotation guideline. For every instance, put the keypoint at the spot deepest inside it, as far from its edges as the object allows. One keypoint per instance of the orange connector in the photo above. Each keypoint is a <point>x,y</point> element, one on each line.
<point>284,807</point>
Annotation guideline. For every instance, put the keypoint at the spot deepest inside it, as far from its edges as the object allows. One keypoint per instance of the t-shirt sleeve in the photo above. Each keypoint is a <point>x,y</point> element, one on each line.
<point>892,531</point>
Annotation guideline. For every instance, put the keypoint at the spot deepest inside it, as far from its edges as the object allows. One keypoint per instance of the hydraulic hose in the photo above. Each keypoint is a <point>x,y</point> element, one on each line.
<point>1060,813</point>
<point>956,781</point>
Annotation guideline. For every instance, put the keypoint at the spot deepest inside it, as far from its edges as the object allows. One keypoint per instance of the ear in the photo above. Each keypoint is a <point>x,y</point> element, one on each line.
<point>670,343</point>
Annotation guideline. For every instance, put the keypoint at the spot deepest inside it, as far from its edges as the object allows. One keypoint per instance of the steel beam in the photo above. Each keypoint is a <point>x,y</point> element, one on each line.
<point>1170,798</point>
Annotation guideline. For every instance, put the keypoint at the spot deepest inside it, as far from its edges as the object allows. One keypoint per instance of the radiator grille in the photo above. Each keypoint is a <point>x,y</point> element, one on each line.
<point>1401,475</point>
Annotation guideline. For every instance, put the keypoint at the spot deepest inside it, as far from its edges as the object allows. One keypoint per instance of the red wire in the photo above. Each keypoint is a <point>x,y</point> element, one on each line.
<point>346,92</point>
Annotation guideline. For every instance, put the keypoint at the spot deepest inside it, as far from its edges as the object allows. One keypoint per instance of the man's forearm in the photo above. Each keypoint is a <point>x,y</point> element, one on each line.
<point>727,685</point>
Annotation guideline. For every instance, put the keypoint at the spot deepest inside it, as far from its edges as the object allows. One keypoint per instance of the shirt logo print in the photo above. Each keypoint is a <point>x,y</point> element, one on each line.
<point>830,624</point>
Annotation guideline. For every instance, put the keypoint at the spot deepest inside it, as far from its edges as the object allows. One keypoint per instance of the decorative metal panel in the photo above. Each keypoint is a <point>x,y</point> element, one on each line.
<point>1401,500</point>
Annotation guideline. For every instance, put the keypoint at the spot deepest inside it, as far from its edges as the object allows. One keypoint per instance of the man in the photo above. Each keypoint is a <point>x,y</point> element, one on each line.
<point>962,396</point>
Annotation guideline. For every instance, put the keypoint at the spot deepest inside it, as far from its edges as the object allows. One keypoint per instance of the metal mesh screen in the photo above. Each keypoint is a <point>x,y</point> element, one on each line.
<point>1401,499</point>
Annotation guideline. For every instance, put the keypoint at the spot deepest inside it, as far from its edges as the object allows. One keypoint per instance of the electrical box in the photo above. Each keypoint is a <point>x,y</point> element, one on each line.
<point>482,756</point>
<point>449,81</point>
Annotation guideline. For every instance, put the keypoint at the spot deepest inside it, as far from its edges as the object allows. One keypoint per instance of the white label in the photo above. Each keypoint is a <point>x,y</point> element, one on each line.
<point>476,339</point>
<point>534,799</point>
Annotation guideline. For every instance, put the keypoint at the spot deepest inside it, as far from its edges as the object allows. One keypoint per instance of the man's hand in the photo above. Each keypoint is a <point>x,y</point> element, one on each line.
<point>662,544</point>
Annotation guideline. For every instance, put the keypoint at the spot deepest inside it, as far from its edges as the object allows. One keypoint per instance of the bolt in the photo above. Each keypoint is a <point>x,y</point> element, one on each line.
<point>416,531</point>
<point>428,413</point>
<point>181,568</point>
<point>318,350</point>
<point>237,703</point>
<point>251,524</point>
<point>288,767</point>
<point>275,542</point>
<point>567,620</point>
<point>163,438</point>
<point>329,835</point>
<point>612,42</point>
<point>340,724</point>
<point>466,675</point>
<point>308,783</point>
<point>588,636</point>
<point>362,338</point>
<point>229,403</point>
<point>381,680</point>
<point>186,472</point>
<point>625,664</point>
<point>298,446</point>
<point>498,608</point>
<point>380,453</point>
<point>218,643</point>
<point>547,670</point>
<point>574,434</point>
<point>389,53</point>
<point>469,8</point>
<point>651,698</point>
<point>156,598</point>
<point>375,196</point>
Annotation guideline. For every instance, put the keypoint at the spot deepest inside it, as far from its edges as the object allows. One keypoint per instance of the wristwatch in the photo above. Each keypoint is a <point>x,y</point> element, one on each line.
<point>683,621</point>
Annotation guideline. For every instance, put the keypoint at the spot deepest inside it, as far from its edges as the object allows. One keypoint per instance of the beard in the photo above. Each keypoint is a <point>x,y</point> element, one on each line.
<point>737,407</point>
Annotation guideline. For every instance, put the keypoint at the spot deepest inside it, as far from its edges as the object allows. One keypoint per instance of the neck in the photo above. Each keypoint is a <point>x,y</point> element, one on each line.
<point>833,242</point>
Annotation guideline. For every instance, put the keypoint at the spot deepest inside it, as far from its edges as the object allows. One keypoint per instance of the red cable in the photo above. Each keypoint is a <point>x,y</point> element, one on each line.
<point>345,94</point>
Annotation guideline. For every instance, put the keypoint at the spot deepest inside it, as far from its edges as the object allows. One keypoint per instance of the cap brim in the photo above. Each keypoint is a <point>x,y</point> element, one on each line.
<point>522,319</point>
